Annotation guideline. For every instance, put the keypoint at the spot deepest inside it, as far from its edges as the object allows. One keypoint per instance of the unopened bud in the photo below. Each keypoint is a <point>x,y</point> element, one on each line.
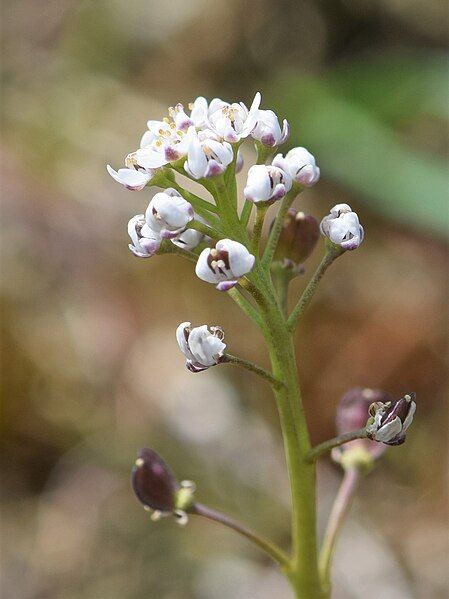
<point>153,482</point>
<point>389,422</point>
<point>299,236</point>
<point>352,414</point>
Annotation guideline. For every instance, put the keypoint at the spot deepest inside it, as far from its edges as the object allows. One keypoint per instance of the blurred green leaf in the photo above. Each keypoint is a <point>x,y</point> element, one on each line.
<point>356,148</point>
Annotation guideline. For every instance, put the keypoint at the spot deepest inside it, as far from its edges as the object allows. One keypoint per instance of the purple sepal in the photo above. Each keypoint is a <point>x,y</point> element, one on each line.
<point>195,367</point>
<point>226,285</point>
<point>268,140</point>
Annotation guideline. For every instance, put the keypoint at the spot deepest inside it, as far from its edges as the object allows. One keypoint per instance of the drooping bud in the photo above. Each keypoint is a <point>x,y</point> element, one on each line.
<point>352,414</point>
<point>168,214</point>
<point>202,346</point>
<point>298,238</point>
<point>389,422</point>
<point>158,490</point>
<point>153,482</point>
<point>142,246</point>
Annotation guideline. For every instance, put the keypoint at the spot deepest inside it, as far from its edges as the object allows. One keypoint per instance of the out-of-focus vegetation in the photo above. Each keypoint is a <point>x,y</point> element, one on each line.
<point>91,371</point>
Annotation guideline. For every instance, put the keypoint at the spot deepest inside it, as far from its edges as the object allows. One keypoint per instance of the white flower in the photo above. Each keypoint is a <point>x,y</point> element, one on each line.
<point>202,346</point>
<point>206,156</point>
<point>142,246</point>
<point>163,143</point>
<point>300,165</point>
<point>168,214</point>
<point>233,122</point>
<point>268,131</point>
<point>224,264</point>
<point>133,177</point>
<point>342,227</point>
<point>266,183</point>
<point>188,240</point>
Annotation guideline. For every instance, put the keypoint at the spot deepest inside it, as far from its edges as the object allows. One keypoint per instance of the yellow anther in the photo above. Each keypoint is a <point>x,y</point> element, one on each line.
<point>139,462</point>
<point>214,253</point>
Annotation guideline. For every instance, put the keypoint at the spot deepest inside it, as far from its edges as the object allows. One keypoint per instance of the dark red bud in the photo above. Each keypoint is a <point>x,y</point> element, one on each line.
<point>299,236</point>
<point>153,482</point>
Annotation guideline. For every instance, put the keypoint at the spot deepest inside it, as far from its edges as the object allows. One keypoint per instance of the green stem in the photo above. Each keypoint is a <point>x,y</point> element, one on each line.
<point>274,382</point>
<point>246,306</point>
<point>277,225</point>
<point>303,571</point>
<point>267,546</point>
<point>331,254</point>
<point>205,229</point>
<point>326,446</point>
<point>261,211</point>
<point>340,508</point>
<point>246,212</point>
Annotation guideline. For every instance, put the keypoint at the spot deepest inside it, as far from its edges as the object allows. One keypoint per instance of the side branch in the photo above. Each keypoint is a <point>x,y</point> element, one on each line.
<point>330,255</point>
<point>340,508</point>
<point>270,378</point>
<point>326,446</point>
<point>268,547</point>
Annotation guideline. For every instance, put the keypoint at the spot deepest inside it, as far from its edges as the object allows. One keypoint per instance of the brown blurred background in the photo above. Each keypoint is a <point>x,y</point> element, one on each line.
<point>91,369</point>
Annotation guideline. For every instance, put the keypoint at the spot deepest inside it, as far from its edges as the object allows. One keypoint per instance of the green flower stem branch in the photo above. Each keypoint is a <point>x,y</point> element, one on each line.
<point>322,448</point>
<point>269,548</point>
<point>230,359</point>
<point>277,225</point>
<point>268,312</point>
<point>205,229</point>
<point>340,508</point>
<point>261,211</point>
<point>332,252</point>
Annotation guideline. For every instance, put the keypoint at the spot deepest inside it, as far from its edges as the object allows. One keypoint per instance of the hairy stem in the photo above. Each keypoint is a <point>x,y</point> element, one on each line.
<point>230,359</point>
<point>267,546</point>
<point>261,211</point>
<point>330,255</point>
<point>326,446</point>
<point>246,306</point>
<point>277,226</point>
<point>340,508</point>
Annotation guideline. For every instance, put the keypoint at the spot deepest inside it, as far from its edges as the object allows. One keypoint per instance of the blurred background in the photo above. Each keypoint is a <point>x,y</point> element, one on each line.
<point>91,369</point>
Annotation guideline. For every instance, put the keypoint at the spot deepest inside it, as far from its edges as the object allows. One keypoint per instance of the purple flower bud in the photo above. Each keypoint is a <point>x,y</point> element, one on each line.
<point>153,482</point>
<point>299,236</point>
<point>389,422</point>
<point>352,414</point>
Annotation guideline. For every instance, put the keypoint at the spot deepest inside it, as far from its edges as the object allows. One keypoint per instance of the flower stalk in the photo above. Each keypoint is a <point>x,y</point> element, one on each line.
<point>205,147</point>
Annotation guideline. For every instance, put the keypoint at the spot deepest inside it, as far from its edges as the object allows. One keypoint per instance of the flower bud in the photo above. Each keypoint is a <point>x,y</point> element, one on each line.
<point>298,238</point>
<point>142,246</point>
<point>300,164</point>
<point>342,227</point>
<point>389,422</point>
<point>266,184</point>
<point>352,414</point>
<point>224,264</point>
<point>153,482</point>
<point>158,490</point>
<point>268,131</point>
<point>202,346</point>
<point>168,214</point>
